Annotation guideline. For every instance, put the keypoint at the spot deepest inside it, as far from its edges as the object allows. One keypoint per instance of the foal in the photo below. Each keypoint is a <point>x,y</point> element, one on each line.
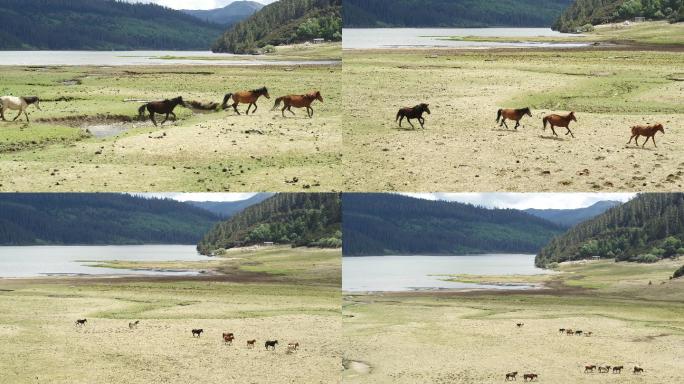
<point>560,121</point>
<point>18,104</point>
<point>649,131</point>
<point>413,113</point>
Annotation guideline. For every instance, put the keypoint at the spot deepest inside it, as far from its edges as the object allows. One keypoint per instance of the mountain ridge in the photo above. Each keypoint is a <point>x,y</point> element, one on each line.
<point>228,15</point>
<point>570,217</point>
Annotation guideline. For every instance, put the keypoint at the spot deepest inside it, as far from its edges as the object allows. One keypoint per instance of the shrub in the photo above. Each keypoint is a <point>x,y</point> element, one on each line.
<point>585,28</point>
<point>268,49</point>
<point>646,258</point>
<point>679,272</point>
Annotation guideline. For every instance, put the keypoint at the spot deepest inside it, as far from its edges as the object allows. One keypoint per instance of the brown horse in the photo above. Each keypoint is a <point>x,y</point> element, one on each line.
<point>569,332</point>
<point>298,101</point>
<point>604,369</point>
<point>589,368</point>
<point>81,322</point>
<point>560,121</point>
<point>413,113</point>
<point>512,114</point>
<point>649,131</point>
<point>251,343</point>
<point>511,376</point>
<point>519,324</point>
<point>245,97</point>
<point>228,337</point>
<point>638,370</point>
<point>531,376</point>
<point>618,369</point>
<point>162,107</point>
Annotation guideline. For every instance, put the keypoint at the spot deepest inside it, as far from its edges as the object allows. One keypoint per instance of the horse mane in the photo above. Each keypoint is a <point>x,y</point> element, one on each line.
<point>259,90</point>
<point>30,99</point>
<point>521,110</point>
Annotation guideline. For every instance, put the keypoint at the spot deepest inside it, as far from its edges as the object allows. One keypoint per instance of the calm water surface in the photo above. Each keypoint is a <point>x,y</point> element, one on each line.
<point>406,273</point>
<point>36,261</point>
<point>368,38</point>
<point>117,58</point>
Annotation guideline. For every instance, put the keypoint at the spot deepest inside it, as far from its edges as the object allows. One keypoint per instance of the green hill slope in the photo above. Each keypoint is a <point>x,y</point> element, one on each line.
<point>284,22</point>
<point>389,224</point>
<point>98,218</point>
<point>300,219</point>
<point>595,12</point>
<point>228,15</point>
<point>647,228</point>
<point>99,25</point>
<point>451,13</point>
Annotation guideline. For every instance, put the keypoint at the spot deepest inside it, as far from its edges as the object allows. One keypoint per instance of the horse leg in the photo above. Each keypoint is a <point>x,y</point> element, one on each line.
<point>174,116</point>
<point>19,114</point>
<point>422,122</point>
<point>283,110</point>
<point>400,119</point>
<point>248,108</point>
<point>517,124</point>
<point>630,139</point>
<point>553,130</point>
<point>289,108</point>
<point>636,140</point>
<point>255,108</point>
<point>309,111</point>
<point>2,113</point>
<point>27,119</point>
<point>152,118</point>
<point>409,121</point>
<point>165,118</point>
<point>503,121</point>
<point>235,108</point>
<point>570,132</point>
<point>653,138</point>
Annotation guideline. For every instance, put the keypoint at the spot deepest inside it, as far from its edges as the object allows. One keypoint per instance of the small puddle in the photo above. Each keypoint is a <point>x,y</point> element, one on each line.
<point>99,126</point>
<point>358,367</point>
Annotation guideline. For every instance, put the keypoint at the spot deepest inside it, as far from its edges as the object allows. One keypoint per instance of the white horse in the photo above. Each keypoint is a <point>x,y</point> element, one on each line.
<point>18,104</point>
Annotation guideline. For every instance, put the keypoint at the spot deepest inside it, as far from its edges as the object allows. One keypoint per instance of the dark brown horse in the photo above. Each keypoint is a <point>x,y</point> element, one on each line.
<point>81,322</point>
<point>271,343</point>
<point>589,368</point>
<point>413,113</point>
<point>162,107</point>
<point>519,324</point>
<point>512,114</point>
<point>511,376</point>
<point>638,370</point>
<point>531,376</point>
<point>245,97</point>
<point>648,131</point>
<point>604,369</point>
<point>618,369</point>
<point>197,332</point>
<point>251,343</point>
<point>228,337</point>
<point>298,101</point>
<point>560,121</point>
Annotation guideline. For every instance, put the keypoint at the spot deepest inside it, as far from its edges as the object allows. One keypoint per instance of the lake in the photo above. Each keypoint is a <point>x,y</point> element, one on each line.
<point>407,273</point>
<point>34,261</point>
<point>368,38</point>
<point>118,58</point>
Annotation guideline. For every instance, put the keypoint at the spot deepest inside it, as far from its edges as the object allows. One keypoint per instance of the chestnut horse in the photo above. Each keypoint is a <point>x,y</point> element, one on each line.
<point>413,113</point>
<point>228,337</point>
<point>589,368</point>
<point>512,114</point>
<point>531,376</point>
<point>648,131</point>
<point>245,97</point>
<point>298,101</point>
<point>162,107</point>
<point>18,104</point>
<point>251,343</point>
<point>511,376</point>
<point>560,121</point>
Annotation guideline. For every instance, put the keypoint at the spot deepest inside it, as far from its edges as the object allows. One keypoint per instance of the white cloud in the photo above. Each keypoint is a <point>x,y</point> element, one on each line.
<point>526,200</point>
<point>199,196</point>
<point>194,4</point>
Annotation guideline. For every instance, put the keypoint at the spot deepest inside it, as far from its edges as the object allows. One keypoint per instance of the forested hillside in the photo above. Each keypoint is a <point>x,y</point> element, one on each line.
<point>99,25</point>
<point>101,218</point>
<point>226,209</point>
<point>648,228</point>
<point>451,13</point>
<point>284,22</point>
<point>384,224</point>
<point>300,219</point>
<point>569,217</point>
<point>228,15</point>
<point>594,12</point>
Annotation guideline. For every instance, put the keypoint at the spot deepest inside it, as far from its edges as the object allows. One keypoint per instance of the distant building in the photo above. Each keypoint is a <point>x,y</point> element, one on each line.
<point>268,243</point>
<point>318,40</point>
<point>596,257</point>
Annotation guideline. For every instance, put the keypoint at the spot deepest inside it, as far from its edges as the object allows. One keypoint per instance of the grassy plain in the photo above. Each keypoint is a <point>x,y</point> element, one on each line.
<point>276,293</point>
<point>202,151</point>
<point>472,337</point>
<point>462,147</point>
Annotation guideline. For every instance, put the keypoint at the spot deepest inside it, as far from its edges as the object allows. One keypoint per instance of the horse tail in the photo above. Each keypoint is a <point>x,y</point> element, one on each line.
<point>498,115</point>
<point>225,100</point>
<point>141,111</point>
<point>398,115</point>
<point>277,103</point>
<point>545,119</point>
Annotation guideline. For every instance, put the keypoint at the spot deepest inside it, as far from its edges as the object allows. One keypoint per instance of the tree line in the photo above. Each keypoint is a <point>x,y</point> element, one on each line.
<point>284,22</point>
<point>594,12</point>
<point>299,219</point>
<point>451,13</point>
<point>646,229</point>
<point>390,224</point>
<point>98,218</point>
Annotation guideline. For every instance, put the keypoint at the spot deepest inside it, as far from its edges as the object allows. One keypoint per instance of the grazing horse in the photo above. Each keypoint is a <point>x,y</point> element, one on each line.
<point>251,343</point>
<point>228,337</point>
<point>519,324</point>
<point>245,97</point>
<point>197,332</point>
<point>560,121</point>
<point>270,343</point>
<point>162,107</point>
<point>511,376</point>
<point>18,104</point>
<point>134,324</point>
<point>648,131</point>
<point>531,376</point>
<point>638,370</point>
<point>81,322</point>
<point>618,369</point>
<point>589,368</point>
<point>512,114</point>
<point>605,369</point>
<point>298,101</point>
<point>413,113</point>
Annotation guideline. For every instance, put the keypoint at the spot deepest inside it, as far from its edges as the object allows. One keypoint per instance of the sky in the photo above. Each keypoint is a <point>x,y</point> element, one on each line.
<point>195,4</point>
<point>200,196</point>
<point>526,200</point>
